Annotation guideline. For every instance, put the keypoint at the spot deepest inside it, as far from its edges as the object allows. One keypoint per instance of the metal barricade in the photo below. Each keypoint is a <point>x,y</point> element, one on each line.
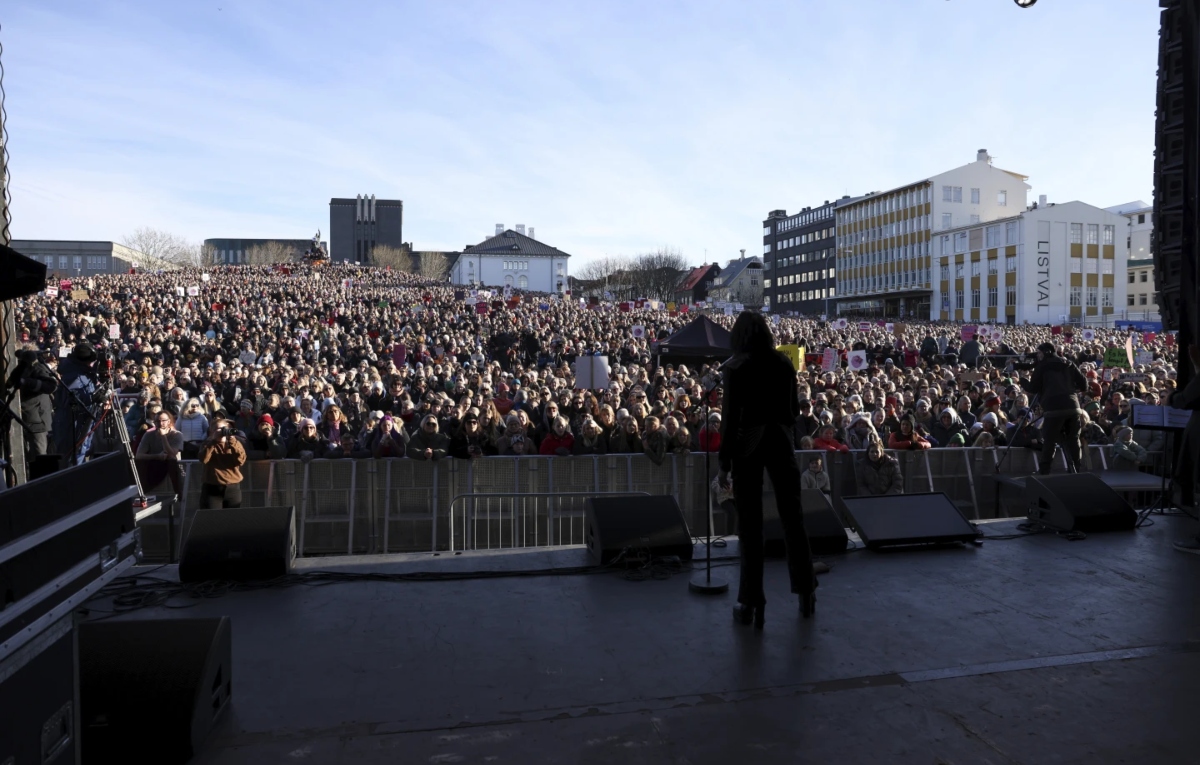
<point>527,510</point>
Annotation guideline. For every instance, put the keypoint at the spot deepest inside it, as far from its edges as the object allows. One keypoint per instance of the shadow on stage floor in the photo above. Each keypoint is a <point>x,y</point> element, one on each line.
<point>1030,650</point>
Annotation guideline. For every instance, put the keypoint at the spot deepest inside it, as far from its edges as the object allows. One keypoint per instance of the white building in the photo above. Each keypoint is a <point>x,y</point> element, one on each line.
<point>884,239</point>
<point>512,259</point>
<point>1141,301</point>
<point>1051,264</point>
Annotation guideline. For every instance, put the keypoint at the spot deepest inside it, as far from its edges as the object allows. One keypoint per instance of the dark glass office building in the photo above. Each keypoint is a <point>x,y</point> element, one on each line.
<point>799,257</point>
<point>357,226</point>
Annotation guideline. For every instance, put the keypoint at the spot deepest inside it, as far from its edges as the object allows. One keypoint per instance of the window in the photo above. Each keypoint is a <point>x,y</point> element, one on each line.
<point>1091,297</point>
<point>993,266</point>
<point>1076,233</point>
<point>1077,265</point>
<point>523,282</point>
<point>945,302</point>
<point>1010,295</point>
<point>975,298</point>
<point>1002,199</point>
<point>947,221</point>
<point>1010,263</point>
<point>959,300</point>
<point>947,193</point>
<point>945,245</point>
<point>1106,267</point>
<point>1129,300</point>
<point>766,231</point>
<point>957,193</point>
<point>77,262</point>
<point>1142,299</point>
<point>1144,275</point>
<point>766,283</point>
<point>766,248</point>
<point>975,268</point>
<point>974,196</point>
<point>62,262</point>
<point>974,218</point>
<point>992,297</point>
<point>1093,234</point>
<point>1109,233</point>
<point>960,241</point>
<point>1132,277</point>
<point>1142,218</point>
<point>992,236</point>
<point>958,271</point>
<point>1076,296</point>
<point>945,272</point>
<point>1106,297</point>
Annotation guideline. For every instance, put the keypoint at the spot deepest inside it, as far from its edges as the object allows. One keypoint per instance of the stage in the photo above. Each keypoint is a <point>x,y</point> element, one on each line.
<point>1029,650</point>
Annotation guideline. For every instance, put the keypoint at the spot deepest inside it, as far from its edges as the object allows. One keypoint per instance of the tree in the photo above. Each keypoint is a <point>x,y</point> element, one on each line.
<point>164,246</point>
<point>270,253</point>
<point>656,274</point>
<point>398,258</point>
<point>208,256</point>
<point>609,274</point>
<point>434,266</point>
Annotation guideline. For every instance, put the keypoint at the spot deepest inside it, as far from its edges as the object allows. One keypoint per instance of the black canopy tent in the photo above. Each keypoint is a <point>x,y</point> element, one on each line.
<point>702,340</point>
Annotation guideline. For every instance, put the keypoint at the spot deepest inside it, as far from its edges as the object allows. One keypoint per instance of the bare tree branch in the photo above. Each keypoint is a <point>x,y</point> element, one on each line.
<point>397,258</point>
<point>163,246</point>
<point>434,266</point>
<point>270,253</point>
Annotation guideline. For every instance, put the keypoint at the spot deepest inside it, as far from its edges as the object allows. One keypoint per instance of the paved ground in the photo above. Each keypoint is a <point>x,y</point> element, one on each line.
<point>1033,650</point>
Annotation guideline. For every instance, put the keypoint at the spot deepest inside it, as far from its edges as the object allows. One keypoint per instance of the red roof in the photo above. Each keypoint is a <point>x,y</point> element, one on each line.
<point>694,277</point>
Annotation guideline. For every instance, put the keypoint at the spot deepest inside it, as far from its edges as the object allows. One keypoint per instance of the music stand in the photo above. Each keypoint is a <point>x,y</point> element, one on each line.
<point>1160,422</point>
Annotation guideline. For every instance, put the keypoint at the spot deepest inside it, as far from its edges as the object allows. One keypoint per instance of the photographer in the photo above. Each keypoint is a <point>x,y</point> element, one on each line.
<point>222,456</point>
<point>1058,381</point>
<point>37,384</point>
<point>72,420</point>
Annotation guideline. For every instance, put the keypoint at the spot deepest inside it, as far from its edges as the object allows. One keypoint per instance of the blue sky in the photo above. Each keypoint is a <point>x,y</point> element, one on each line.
<point>611,127</point>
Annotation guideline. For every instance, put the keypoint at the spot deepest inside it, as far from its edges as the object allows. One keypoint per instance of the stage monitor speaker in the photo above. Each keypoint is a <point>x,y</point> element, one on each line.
<point>241,544</point>
<point>890,520</point>
<point>615,524</point>
<point>151,690</point>
<point>826,535</point>
<point>19,275</point>
<point>1077,502</point>
<point>38,695</point>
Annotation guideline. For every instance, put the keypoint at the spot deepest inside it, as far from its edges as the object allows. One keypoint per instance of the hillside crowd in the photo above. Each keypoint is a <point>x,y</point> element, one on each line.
<point>344,362</point>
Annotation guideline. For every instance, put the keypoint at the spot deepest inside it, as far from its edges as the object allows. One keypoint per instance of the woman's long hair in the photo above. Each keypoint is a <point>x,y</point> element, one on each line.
<point>751,335</point>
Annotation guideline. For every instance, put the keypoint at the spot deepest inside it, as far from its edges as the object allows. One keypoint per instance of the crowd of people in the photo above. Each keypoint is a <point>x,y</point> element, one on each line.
<point>333,362</point>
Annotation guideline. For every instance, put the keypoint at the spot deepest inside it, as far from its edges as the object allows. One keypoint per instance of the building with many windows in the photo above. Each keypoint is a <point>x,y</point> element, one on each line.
<point>65,259</point>
<point>798,259</point>
<point>740,281</point>
<point>357,226</point>
<point>1051,264</point>
<point>512,259</point>
<point>1141,300</point>
<point>884,239</point>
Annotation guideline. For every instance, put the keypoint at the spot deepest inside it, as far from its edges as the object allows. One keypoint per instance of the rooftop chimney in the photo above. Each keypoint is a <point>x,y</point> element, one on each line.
<point>520,228</point>
<point>982,156</point>
<point>499,229</point>
<point>1041,200</point>
<point>530,234</point>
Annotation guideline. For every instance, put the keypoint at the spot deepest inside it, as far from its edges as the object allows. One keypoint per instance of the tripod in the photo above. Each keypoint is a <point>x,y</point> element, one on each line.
<point>110,407</point>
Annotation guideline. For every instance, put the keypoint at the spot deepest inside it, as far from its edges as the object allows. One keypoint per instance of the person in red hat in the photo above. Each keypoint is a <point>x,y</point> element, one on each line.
<point>263,441</point>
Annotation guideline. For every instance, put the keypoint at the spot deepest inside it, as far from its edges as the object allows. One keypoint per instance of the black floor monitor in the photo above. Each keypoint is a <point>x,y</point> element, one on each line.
<point>909,519</point>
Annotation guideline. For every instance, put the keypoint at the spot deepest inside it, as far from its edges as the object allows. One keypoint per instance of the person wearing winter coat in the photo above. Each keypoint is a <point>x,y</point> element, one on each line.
<point>879,473</point>
<point>428,443</point>
<point>263,441</point>
<point>1127,454</point>
<point>654,442</point>
<point>470,442</point>
<point>815,476</point>
<point>558,441</point>
<point>861,432</point>
<point>907,437</point>
<point>307,444</point>
<point>591,439</point>
<point>946,427</point>
<point>826,440</point>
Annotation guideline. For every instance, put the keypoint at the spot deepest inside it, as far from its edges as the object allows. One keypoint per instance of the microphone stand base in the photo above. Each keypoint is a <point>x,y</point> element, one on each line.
<point>707,583</point>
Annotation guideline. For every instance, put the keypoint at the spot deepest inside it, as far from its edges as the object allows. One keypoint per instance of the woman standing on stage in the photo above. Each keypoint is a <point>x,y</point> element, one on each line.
<point>759,411</point>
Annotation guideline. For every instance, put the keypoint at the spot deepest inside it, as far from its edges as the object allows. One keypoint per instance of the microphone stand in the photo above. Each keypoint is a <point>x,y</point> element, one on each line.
<point>703,582</point>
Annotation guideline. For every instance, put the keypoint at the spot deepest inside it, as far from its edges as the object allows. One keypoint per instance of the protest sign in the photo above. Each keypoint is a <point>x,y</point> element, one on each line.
<point>864,326</point>
<point>204,277</point>
<point>52,292</point>
<point>1116,357</point>
<point>857,360</point>
<point>829,360</point>
<point>898,329</point>
<point>1143,357</point>
<point>114,331</point>
<point>481,308</point>
<point>729,310</point>
<point>670,306</point>
<point>890,327</point>
<point>592,373</point>
<point>793,353</point>
<point>1056,330</point>
<point>193,291</point>
<point>1088,335</point>
<point>79,294</point>
<point>841,324</point>
<point>638,331</point>
<point>968,332</point>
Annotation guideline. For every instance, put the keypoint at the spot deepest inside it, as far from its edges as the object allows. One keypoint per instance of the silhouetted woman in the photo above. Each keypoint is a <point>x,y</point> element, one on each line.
<point>759,413</point>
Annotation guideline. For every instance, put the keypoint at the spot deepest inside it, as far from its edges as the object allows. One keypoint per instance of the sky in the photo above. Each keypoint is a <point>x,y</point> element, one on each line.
<point>613,128</point>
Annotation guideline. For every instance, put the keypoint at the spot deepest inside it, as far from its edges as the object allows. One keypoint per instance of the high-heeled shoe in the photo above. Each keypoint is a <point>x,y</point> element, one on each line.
<point>744,614</point>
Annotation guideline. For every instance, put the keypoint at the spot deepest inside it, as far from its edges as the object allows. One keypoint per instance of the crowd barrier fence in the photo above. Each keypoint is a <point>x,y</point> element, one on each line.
<point>370,506</point>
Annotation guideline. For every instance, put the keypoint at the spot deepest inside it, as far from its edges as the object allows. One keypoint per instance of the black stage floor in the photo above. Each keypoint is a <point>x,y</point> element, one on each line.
<point>1030,650</point>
